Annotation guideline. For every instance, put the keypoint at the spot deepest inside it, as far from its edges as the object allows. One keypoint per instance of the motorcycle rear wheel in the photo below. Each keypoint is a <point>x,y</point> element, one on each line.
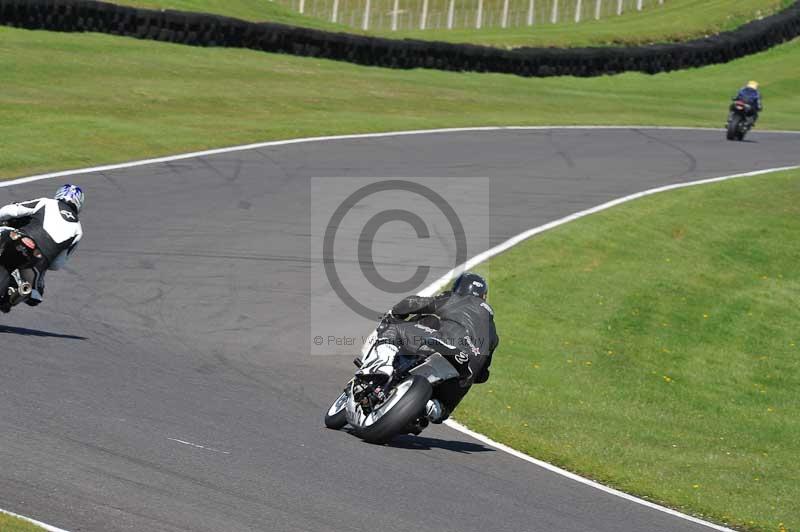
<point>5,281</point>
<point>401,415</point>
<point>733,128</point>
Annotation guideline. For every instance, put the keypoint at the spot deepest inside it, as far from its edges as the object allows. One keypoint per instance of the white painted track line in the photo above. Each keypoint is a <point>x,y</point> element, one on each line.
<point>577,478</point>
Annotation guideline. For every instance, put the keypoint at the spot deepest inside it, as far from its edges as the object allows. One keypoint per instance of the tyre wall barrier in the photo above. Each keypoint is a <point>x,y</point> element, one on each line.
<point>200,29</point>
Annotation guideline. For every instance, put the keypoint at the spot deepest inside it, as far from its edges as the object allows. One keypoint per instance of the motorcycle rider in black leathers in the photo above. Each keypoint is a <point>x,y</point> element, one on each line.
<point>53,224</point>
<point>459,325</point>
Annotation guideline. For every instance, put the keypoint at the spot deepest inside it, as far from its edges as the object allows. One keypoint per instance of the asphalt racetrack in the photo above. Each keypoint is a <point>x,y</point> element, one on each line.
<point>166,383</point>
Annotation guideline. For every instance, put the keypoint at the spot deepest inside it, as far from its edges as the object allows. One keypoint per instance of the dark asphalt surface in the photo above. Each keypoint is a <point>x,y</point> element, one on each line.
<point>184,316</point>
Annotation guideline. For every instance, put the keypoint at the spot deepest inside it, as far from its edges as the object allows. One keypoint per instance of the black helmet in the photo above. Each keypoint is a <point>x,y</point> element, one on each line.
<point>469,283</point>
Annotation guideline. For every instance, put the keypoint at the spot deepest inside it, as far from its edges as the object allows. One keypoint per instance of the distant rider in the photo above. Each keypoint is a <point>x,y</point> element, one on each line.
<point>458,324</point>
<point>53,224</point>
<point>749,94</point>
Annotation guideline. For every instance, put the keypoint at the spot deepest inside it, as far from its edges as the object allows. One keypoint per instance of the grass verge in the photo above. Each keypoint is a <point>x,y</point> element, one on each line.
<point>9,523</point>
<point>654,347</point>
<point>74,100</point>
<point>674,21</point>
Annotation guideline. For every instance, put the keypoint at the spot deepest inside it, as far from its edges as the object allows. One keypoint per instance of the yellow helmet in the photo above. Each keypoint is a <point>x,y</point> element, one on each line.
<point>752,84</point>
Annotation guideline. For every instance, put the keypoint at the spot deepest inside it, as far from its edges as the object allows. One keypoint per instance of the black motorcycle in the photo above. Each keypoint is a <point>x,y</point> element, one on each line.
<point>740,120</point>
<point>18,251</point>
<point>381,401</point>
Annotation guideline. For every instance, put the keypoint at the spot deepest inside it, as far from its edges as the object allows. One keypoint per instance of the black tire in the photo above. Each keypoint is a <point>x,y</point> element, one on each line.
<point>733,127</point>
<point>401,415</point>
<point>741,132</point>
<point>336,417</point>
<point>5,281</point>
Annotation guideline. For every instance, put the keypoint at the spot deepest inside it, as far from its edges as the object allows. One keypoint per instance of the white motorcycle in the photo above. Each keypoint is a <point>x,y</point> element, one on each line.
<point>389,391</point>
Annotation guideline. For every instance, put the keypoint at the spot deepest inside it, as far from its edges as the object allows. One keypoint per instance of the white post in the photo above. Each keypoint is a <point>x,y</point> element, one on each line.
<point>423,20</point>
<point>335,13</point>
<point>531,9</point>
<point>597,5</point>
<point>302,6</point>
<point>638,5</point>
<point>479,17</point>
<point>554,14</point>
<point>365,21</point>
<point>619,7</point>
<point>578,10</point>
<point>504,21</point>
<point>451,12</point>
<point>394,14</point>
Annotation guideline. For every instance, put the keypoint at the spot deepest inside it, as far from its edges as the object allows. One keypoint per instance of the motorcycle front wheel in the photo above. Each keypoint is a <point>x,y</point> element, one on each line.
<point>336,417</point>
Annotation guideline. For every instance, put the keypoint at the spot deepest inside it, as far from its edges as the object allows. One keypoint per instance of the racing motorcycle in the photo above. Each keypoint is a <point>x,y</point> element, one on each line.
<point>384,400</point>
<point>740,120</point>
<point>18,251</point>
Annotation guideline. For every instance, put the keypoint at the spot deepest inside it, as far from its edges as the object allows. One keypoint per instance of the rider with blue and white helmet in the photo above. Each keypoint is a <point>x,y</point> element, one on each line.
<point>55,227</point>
<point>71,194</point>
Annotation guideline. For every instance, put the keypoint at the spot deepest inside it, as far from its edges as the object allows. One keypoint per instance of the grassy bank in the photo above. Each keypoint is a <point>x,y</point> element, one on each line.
<point>673,21</point>
<point>655,347</point>
<point>254,10</point>
<point>13,524</point>
<point>72,100</point>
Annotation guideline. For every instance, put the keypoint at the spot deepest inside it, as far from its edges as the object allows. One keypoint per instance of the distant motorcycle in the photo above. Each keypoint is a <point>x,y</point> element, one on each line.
<point>381,402</point>
<point>18,251</point>
<point>740,120</point>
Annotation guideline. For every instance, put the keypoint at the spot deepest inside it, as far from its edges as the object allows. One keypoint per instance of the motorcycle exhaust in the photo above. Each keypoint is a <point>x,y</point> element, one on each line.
<point>15,295</point>
<point>25,289</point>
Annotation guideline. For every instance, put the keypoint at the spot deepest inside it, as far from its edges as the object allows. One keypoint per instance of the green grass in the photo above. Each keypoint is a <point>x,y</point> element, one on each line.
<point>254,10</point>
<point>73,100</point>
<point>675,20</point>
<point>655,347</point>
<point>13,524</point>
